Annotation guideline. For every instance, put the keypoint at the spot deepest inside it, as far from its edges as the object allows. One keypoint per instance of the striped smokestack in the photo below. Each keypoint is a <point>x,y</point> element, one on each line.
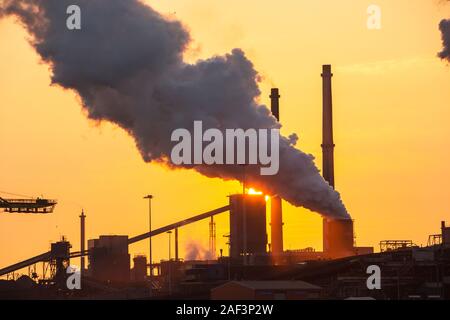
<point>276,212</point>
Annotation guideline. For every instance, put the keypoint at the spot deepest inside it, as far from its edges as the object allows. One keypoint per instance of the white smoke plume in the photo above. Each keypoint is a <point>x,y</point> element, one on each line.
<point>196,251</point>
<point>126,65</point>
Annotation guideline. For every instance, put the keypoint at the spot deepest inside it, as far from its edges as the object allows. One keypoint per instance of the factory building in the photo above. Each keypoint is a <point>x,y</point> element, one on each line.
<point>139,271</point>
<point>445,232</point>
<point>60,259</point>
<point>248,235</point>
<point>266,290</point>
<point>109,260</point>
<point>338,240</point>
<point>250,258</point>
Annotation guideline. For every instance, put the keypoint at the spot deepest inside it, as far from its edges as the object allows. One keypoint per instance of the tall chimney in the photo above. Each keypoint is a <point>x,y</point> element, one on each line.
<point>327,127</point>
<point>275,103</point>
<point>276,212</point>
<point>82,240</point>
<point>327,146</point>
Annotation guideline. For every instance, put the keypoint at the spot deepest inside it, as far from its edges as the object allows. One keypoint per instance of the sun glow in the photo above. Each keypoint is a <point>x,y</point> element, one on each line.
<point>253,191</point>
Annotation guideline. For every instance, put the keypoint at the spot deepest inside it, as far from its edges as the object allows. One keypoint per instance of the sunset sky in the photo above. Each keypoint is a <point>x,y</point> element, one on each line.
<point>391,102</point>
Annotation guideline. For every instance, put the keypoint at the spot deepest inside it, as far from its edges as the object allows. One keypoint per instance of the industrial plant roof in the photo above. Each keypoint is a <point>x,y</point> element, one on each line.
<point>277,285</point>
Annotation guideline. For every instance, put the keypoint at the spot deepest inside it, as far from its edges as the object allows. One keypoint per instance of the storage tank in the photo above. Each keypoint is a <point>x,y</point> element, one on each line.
<point>338,238</point>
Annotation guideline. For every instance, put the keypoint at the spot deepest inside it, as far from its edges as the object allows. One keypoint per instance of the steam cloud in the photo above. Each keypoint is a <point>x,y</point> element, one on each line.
<point>126,64</point>
<point>444,26</point>
<point>196,251</point>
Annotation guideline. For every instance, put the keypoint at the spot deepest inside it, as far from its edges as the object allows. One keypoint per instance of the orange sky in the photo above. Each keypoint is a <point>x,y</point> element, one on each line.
<point>391,111</point>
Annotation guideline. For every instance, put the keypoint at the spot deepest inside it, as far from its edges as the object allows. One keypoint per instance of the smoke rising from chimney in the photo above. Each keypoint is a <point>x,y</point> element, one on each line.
<point>126,65</point>
<point>444,26</point>
<point>196,251</point>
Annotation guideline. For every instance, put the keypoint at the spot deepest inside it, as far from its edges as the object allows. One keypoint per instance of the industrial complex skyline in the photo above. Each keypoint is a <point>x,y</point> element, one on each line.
<point>390,109</point>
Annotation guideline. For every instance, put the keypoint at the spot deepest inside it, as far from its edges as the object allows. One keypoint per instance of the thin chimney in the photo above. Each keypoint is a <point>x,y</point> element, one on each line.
<point>327,145</point>
<point>327,127</point>
<point>275,103</point>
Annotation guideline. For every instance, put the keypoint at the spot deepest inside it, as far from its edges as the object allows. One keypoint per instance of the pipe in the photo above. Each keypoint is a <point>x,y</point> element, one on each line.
<point>42,257</point>
<point>276,226</point>
<point>82,240</point>
<point>176,244</point>
<point>178,224</point>
<point>46,256</point>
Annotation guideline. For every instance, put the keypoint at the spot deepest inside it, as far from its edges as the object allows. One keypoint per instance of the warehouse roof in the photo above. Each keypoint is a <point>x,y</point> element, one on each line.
<point>275,285</point>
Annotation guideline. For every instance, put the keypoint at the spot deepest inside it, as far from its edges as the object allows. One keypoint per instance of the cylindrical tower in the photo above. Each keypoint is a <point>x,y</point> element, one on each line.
<point>276,210</point>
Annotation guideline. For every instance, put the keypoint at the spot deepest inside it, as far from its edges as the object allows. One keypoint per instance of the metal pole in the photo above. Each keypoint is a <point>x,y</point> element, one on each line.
<point>229,255</point>
<point>150,239</point>
<point>229,265</point>
<point>169,264</point>
<point>150,197</point>
<point>176,244</point>
<point>169,232</point>
<point>244,223</point>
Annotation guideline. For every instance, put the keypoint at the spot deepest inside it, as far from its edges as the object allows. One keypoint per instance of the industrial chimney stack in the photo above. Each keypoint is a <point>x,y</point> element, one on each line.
<point>276,213</point>
<point>275,103</point>
<point>338,237</point>
<point>327,127</point>
<point>327,146</point>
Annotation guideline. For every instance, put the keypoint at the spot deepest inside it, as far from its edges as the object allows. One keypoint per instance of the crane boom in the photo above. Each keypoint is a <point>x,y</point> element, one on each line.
<point>37,205</point>
<point>178,224</point>
<point>42,257</point>
<point>47,255</point>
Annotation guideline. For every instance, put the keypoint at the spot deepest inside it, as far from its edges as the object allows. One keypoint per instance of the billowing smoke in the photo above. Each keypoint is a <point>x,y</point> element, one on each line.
<point>444,26</point>
<point>196,251</point>
<point>127,67</point>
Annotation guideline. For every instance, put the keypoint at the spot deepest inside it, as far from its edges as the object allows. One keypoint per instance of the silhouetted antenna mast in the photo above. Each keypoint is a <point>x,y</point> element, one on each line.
<point>212,238</point>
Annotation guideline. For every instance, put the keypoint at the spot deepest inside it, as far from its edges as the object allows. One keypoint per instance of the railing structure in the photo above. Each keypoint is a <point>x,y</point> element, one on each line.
<point>390,245</point>
<point>37,205</point>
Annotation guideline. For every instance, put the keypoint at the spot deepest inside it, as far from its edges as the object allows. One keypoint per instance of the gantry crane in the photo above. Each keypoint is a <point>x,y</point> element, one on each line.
<point>37,205</point>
